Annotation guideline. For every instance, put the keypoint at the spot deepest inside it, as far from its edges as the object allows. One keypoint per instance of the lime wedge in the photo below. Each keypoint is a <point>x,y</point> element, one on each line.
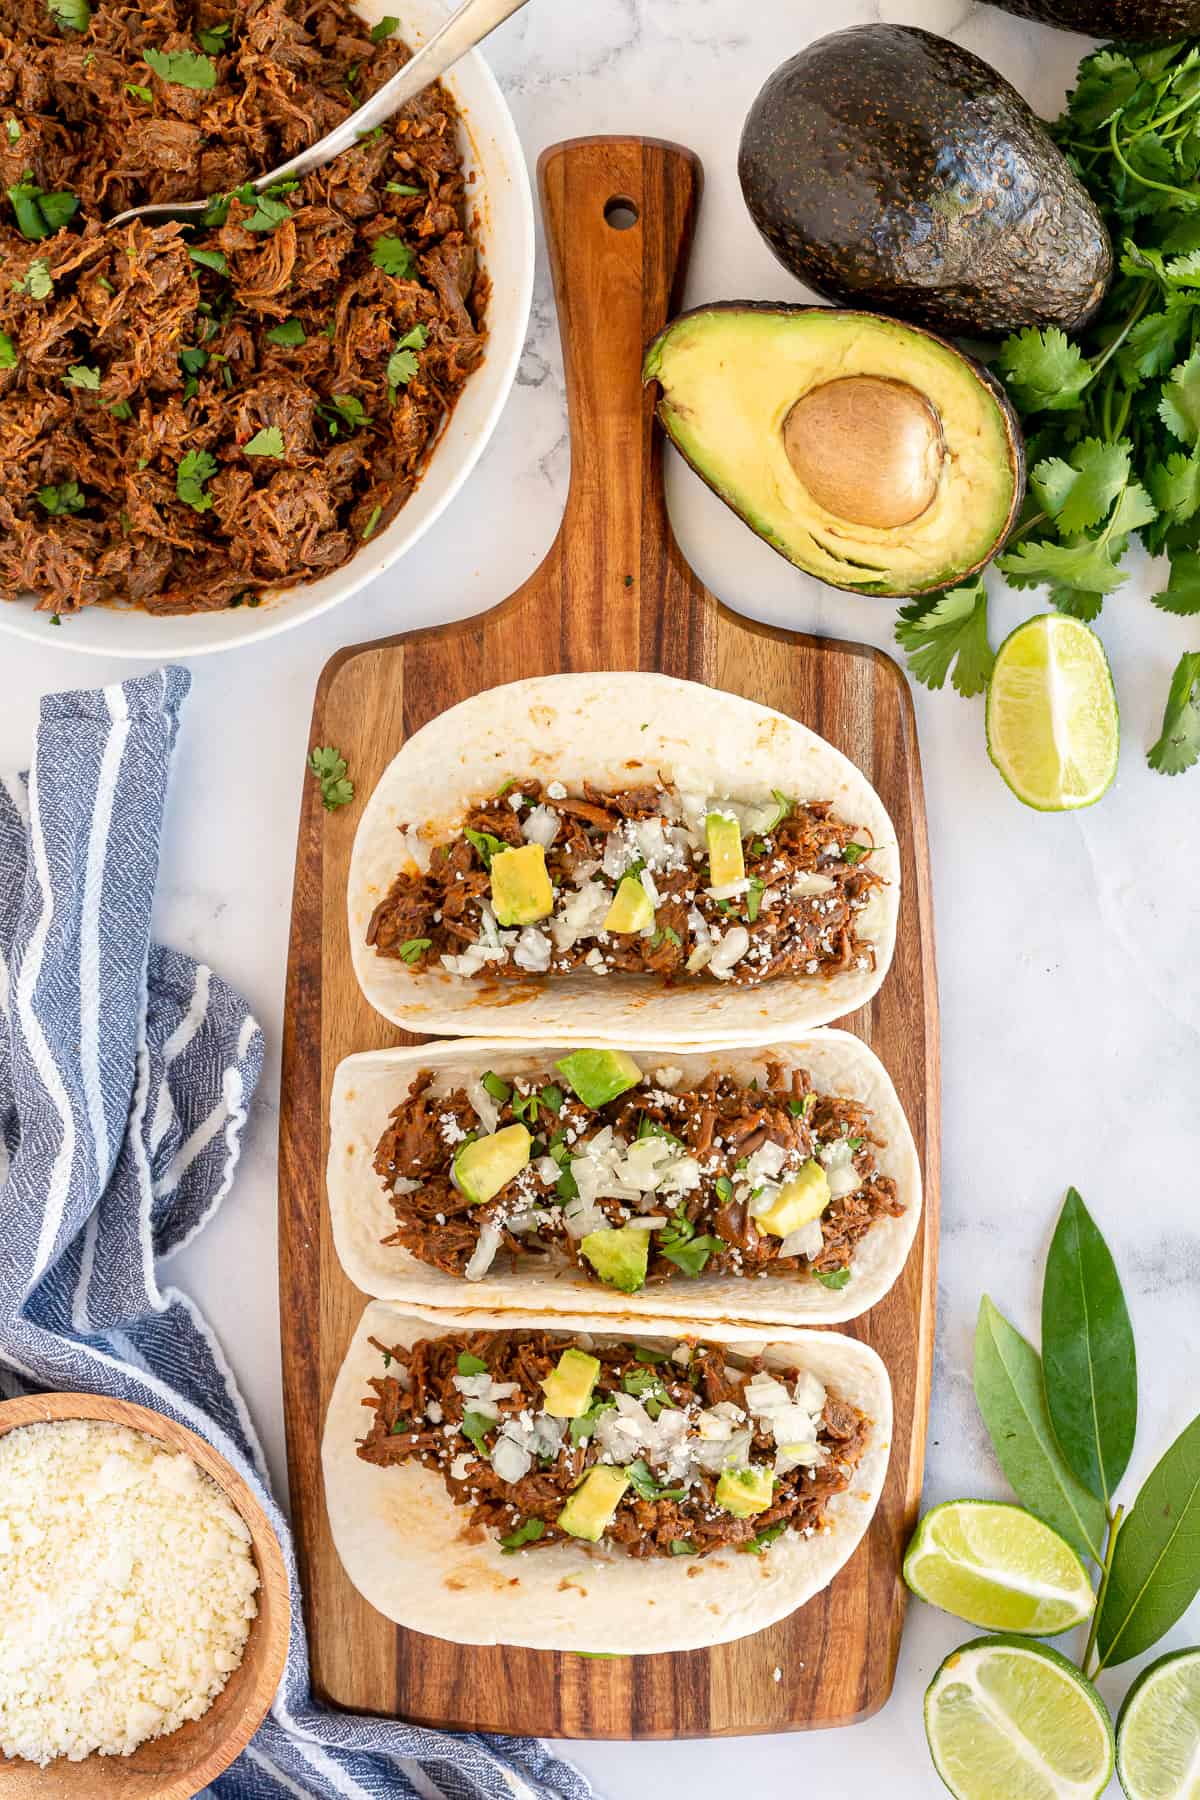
<point>1052,725</point>
<point>1011,1720</point>
<point>999,1567</point>
<point>1158,1731</point>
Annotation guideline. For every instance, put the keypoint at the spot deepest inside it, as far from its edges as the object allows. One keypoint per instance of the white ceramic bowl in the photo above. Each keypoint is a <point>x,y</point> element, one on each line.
<point>504,210</point>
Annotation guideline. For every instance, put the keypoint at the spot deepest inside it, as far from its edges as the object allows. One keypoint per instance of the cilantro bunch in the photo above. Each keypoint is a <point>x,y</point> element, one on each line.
<point>1112,418</point>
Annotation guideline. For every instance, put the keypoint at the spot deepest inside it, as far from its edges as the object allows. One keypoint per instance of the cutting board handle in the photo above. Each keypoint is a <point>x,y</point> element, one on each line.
<point>619,213</point>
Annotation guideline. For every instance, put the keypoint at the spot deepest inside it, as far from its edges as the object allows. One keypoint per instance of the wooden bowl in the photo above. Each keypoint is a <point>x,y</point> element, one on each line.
<point>179,1765</point>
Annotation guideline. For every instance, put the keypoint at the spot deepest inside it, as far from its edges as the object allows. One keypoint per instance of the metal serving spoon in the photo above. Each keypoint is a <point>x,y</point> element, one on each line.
<point>473,21</point>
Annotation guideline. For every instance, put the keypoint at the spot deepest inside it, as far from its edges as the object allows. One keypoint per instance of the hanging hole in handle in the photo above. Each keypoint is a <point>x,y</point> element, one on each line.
<point>620,214</point>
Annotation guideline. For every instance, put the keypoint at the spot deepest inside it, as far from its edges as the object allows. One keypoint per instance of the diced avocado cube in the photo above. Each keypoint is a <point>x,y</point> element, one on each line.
<point>590,1510</point>
<point>568,1387</point>
<point>799,1201</point>
<point>598,1076</point>
<point>483,1167</point>
<point>632,908</point>
<point>725,860</point>
<point>521,890</point>
<point>744,1492</point>
<point>619,1258</point>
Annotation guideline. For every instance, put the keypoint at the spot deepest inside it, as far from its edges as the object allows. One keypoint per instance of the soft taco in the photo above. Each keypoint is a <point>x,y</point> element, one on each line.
<point>626,1494</point>
<point>679,861</point>
<point>773,1184</point>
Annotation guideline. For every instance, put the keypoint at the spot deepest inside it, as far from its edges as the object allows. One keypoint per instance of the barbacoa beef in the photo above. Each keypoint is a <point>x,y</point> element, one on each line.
<point>122,352</point>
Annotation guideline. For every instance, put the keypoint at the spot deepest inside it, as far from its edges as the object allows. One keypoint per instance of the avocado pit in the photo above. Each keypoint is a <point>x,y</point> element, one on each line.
<point>868,449</point>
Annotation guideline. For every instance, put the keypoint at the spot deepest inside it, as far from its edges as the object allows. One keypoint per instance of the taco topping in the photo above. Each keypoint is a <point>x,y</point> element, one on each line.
<point>644,880</point>
<point>632,1175</point>
<point>675,1451</point>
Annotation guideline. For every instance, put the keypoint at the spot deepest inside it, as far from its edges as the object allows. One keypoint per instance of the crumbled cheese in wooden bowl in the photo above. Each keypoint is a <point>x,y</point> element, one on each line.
<point>126,1590</point>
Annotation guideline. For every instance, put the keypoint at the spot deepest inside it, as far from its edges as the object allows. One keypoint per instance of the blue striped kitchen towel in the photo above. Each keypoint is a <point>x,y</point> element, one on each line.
<point>126,1071</point>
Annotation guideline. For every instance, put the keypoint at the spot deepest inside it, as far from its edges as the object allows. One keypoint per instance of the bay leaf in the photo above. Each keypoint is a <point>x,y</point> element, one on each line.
<point>1012,1399</point>
<point>1156,1565</point>
<point>1089,1362</point>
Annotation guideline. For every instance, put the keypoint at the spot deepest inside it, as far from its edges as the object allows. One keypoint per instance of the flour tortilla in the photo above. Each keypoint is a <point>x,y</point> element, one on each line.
<point>367,1087</point>
<point>616,730</point>
<point>401,1537</point>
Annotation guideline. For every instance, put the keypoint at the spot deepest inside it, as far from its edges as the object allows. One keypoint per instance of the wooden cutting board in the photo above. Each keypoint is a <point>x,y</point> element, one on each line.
<point>614,592</point>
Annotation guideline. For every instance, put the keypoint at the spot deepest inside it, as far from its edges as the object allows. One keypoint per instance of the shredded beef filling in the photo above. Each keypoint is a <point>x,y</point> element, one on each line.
<point>646,1523</point>
<point>719,1123</point>
<point>806,883</point>
<point>181,431</point>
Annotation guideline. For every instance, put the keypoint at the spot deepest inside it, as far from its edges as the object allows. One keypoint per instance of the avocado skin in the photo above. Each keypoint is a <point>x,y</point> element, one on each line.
<point>1016,439</point>
<point>1138,21</point>
<point>892,170</point>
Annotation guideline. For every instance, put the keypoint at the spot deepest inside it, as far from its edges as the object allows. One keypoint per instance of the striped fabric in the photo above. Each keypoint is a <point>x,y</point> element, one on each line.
<point>126,1072</point>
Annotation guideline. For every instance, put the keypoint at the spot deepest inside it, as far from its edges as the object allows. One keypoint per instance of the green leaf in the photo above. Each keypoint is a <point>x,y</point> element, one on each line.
<point>66,498</point>
<point>948,635</point>
<point>351,411</point>
<point>215,38</point>
<point>1178,745</point>
<point>1175,486</point>
<point>269,211</point>
<point>182,68</point>
<point>210,259</point>
<point>373,518</point>
<point>833,1278</point>
<point>329,767</point>
<point>8,354</point>
<point>692,1257</point>
<point>1043,370</point>
<point>758,1544</point>
<point>528,1533</point>
<point>267,442</point>
<point>195,469</point>
<point>1088,1356</point>
<point>475,1426</point>
<point>289,334</point>
<point>384,29</point>
<point>143,94</point>
<point>403,364</point>
<point>499,1090</point>
<point>393,256</point>
<point>485,843</point>
<point>1152,343</point>
<point>1012,1400</point>
<point>1156,1566</point>
<point>1182,592</point>
<point>646,1487</point>
<point>1079,492</point>
<point>79,375</point>
<point>582,1428</point>
<point>683,1547</point>
<point>1179,407</point>
<point>39,214</point>
<point>470,1365</point>
<point>1106,83</point>
<point>72,15</point>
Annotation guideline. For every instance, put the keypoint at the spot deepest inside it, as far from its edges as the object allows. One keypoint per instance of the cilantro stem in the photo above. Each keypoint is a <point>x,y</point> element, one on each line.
<point>1162,119</point>
<point>1114,1526</point>
<point>1161,187</point>
<point>1135,312</point>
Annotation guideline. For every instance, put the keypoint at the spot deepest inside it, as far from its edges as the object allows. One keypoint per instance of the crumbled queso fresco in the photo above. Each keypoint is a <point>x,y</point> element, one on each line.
<point>127,1589</point>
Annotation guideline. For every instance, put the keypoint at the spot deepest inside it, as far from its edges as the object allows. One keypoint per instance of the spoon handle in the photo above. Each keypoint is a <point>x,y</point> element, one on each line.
<point>462,31</point>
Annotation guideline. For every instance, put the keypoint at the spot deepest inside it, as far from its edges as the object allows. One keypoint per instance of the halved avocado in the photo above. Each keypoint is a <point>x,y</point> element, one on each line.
<point>1140,20</point>
<point>870,453</point>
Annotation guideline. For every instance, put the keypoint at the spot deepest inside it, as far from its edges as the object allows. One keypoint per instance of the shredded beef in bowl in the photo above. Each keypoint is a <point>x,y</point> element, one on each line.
<point>190,417</point>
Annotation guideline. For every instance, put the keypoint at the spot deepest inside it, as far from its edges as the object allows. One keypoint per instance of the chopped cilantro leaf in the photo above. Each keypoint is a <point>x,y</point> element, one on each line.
<point>289,334</point>
<point>72,15</point>
<point>758,1544</point>
<point>182,68</point>
<point>832,1278</point>
<point>582,1428</point>
<point>499,1090</point>
<point>485,843</point>
<point>37,281</point>
<point>66,498</point>
<point>394,257</point>
<point>139,93</point>
<point>644,1485</point>
<point>528,1533</point>
<point>476,1427</point>
<point>856,853</point>
<point>329,767</point>
<point>401,187</point>
<point>39,214</point>
<point>384,29</point>
<point>267,442</point>
<point>79,375</point>
<point>399,1427</point>
<point>373,518</point>
<point>210,259</point>
<point>683,1547</point>
<point>412,948</point>
<point>195,469</point>
<point>8,354</point>
<point>470,1365</point>
<point>691,1257</point>
<point>215,38</point>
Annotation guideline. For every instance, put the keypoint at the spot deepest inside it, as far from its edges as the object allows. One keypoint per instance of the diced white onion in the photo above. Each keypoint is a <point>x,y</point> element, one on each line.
<point>648,888</point>
<point>532,951</point>
<point>806,1240</point>
<point>486,1110</point>
<point>403,1184</point>
<point>648,1221</point>
<point>581,1217</point>
<point>510,1460</point>
<point>730,951</point>
<point>540,826</point>
<point>484,1253</point>
<point>729,890</point>
<point>812,883</point>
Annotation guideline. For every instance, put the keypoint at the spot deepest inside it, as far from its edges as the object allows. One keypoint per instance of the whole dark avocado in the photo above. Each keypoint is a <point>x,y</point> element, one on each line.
<point>890,169</point>
<point>1140,21</point>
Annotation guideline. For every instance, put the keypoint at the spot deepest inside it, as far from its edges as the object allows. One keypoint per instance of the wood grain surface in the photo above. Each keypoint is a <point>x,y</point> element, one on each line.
<point>183,1763</point>
<point>613,592</point>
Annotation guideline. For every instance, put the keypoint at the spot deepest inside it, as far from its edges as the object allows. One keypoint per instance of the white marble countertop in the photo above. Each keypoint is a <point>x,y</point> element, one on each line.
<point>1069,976</point>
